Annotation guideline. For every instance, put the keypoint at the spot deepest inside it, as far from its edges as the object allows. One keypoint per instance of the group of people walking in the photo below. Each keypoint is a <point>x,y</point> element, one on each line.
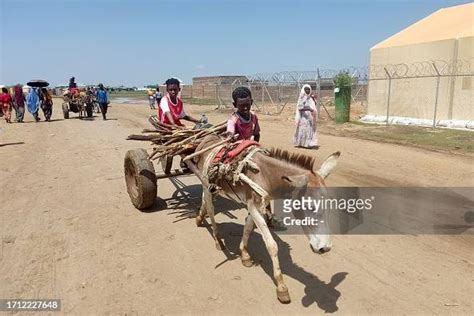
<point>306,114</point>
<point>35,99</point>
<point>40,98</point>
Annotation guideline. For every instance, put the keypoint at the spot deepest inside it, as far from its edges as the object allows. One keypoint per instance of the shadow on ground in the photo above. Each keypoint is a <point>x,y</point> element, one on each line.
<point>186,200</point>
<point>324,295</point>
<point>11,144</point>
<point>184,204</point>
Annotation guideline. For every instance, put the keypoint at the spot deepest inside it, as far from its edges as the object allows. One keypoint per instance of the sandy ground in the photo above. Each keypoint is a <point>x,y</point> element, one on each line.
<point>70,232</point>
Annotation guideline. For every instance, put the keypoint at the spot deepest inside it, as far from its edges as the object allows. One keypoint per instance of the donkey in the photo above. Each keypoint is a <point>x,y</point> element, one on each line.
<point>280,171</point>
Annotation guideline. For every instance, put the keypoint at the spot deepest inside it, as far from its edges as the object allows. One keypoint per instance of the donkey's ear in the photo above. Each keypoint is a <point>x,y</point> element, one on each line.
<point>328,165</point>
<point>296,181</point>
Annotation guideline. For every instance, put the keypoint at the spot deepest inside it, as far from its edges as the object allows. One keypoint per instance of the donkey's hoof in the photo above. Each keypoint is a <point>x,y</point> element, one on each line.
<point>283,296</point>
<point>247,263</point>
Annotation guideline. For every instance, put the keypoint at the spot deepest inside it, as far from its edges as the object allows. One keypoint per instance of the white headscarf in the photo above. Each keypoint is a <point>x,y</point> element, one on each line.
<point>304,100</point>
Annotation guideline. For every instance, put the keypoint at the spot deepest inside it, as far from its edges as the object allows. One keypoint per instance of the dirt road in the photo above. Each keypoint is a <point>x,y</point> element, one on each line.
<point>70,232</point>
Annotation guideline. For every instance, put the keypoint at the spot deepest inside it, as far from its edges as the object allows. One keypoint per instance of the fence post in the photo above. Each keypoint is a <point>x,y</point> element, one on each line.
<point>318,89</point>
<point>437,92</point>
<point>217,97</point>
<point>389,90</point>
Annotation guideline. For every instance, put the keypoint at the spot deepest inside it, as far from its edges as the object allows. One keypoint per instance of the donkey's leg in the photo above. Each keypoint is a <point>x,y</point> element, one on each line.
<point>272,247</point>
<point>269,215</point>
<point>202,211</point>
<point>207,198</point>
<point>244,254</point>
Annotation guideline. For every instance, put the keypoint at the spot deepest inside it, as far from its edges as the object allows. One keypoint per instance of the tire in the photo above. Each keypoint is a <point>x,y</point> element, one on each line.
<point>166,164</point>
<point>140,178</point>
<point>89,110</point>
<point>65,110</point>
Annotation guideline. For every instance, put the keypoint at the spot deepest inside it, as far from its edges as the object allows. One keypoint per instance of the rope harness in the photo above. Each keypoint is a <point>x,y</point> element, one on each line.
<point>233,172</point>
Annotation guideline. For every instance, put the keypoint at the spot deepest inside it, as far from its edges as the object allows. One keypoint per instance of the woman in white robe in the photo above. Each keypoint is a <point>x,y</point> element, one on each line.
<point>306,120</point>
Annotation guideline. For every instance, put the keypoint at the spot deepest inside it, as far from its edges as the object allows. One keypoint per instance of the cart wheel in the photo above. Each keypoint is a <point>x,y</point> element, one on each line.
<point>65,110</point>
<point>140,178</point>
<point>166,164</point>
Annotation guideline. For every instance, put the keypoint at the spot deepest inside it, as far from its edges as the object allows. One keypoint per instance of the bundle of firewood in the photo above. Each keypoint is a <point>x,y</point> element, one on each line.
<point>170,141</point>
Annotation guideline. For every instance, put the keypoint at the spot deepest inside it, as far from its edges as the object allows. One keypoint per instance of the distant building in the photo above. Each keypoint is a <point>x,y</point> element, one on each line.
<point>445,37</point>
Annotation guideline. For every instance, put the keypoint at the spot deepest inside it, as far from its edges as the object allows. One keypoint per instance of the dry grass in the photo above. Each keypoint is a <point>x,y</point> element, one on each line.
<point>439,139</point>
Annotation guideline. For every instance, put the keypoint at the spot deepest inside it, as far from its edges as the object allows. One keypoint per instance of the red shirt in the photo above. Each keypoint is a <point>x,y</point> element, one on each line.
<point>73,91</point>
<point>176,110</point>
<point>245,129</point>
<point>5,98</point>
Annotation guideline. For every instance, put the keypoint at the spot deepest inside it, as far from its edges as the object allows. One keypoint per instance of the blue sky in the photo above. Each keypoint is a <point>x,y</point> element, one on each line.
<point>145,42</point>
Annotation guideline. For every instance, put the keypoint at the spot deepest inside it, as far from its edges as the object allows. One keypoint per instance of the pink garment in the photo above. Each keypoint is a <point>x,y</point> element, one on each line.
<point>5,104</point>
<point>19,97</point>
<point>246,129</point>
<point>226,156</point>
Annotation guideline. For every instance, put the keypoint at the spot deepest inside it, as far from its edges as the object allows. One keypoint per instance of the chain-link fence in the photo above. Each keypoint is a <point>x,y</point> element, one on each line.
<point>272,92</point>
<point>432,90</point>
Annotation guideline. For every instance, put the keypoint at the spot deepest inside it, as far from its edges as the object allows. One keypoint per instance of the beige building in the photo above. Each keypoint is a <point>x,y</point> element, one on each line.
<point>445,39</point>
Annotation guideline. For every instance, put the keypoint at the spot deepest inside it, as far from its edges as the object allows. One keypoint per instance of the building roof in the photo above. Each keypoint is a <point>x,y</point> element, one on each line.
<point>447,23</point>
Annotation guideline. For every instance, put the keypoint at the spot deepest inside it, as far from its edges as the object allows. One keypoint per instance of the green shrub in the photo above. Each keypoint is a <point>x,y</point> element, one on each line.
<point>342,79</point>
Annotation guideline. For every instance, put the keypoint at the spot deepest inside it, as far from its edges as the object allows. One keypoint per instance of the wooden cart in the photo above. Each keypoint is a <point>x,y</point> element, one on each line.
<point>84,105</point>
<point>140,176</point>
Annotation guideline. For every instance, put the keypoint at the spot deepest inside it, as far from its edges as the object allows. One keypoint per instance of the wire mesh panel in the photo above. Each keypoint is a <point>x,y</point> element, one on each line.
<point>431,90</point>
<point>272,92</point>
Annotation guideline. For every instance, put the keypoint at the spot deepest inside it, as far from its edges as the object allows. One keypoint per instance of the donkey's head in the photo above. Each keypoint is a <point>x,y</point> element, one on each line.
<point>309,188</point>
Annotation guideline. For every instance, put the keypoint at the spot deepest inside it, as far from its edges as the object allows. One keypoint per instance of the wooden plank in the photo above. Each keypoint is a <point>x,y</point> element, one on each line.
<point>172,174</point>
<point>194,169</point>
